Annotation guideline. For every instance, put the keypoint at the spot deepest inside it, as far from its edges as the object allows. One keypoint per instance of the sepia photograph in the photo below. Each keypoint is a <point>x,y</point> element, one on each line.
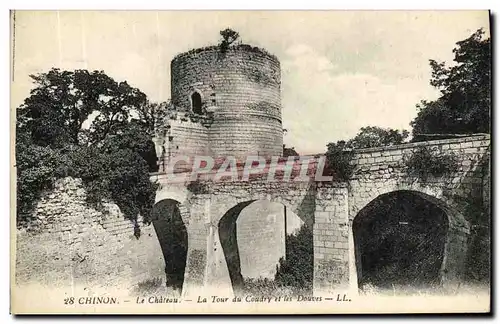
<point>250,162</point>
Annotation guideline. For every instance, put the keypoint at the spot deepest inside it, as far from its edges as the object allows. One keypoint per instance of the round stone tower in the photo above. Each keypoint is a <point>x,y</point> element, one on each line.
<point>240,88</point>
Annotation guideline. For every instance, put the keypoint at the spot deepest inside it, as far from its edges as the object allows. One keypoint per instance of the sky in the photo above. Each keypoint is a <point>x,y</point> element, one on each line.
<point>341,70</point>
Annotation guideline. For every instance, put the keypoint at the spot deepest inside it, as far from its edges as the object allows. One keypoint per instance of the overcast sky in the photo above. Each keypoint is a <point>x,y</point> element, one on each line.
<point>341,70</point>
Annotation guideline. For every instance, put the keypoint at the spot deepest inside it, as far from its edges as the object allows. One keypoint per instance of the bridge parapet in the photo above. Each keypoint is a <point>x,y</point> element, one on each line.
<point>475,144</point>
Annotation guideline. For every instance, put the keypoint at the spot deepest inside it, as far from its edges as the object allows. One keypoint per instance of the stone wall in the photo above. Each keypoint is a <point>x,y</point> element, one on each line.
<point>260,232</point>
<point>331,239</point>
<point>487,181</point>
<point>188,138</point>
<point>240,76</point>
<point>71,243</point>
<point>245,135</point>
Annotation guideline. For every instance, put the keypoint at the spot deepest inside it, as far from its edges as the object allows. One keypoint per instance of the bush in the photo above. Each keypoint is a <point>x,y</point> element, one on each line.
<point>36,169</point>
<point>149,285</point>
<point>296,270</point>
<point>120,175</point>
<point>154,287</point>
<point>424,161</point>
<point>338,158</point>
<point>197,187</point>
<point>294,274</point>
<point>264,287</point>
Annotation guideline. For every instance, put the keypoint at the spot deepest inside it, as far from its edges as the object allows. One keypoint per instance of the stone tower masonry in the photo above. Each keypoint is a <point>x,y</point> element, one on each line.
<point>227,103</point>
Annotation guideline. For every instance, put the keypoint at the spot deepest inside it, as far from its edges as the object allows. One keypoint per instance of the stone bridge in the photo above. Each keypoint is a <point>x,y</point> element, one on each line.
<point>337,210</point>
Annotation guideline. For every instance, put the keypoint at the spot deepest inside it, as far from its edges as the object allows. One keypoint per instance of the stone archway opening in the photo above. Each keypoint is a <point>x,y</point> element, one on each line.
<point>400,241</point>
<point>172,235</point>
<point>255,237</point>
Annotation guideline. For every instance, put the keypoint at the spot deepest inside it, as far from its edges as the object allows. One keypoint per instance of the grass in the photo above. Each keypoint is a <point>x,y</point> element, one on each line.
<point>269,287</point>
<point>438,290</point>
<point>154,286</point>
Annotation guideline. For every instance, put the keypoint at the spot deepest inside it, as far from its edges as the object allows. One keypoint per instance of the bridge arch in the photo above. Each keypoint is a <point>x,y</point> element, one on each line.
<point>272,232</point>
<point>178,193</point>
<point>299,198</point>
<point>168,222</point>
<point>360,195</point>
<point>409,239</point>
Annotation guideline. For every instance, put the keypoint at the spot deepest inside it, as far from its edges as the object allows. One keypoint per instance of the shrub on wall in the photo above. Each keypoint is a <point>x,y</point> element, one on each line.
<point>294,273</point>
<point>424,162</point>
<point>338,158</point>
<point>296,269</point>
<point>36,169</point>
<point>118,175</point>
<point>197,187</point>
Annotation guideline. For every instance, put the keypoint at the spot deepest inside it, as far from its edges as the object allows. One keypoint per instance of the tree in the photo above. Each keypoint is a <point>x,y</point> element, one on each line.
<point>370,136</point>
<point>296,270</point>
<point>154,116</point>
<point>465,101</point>
<point>289,151</point>
<point>229,36</point>
<point>338,157</point>
<point>373,136</point>
<point>62,101</point>
<point>340,153</point>
<point>112,154</point>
